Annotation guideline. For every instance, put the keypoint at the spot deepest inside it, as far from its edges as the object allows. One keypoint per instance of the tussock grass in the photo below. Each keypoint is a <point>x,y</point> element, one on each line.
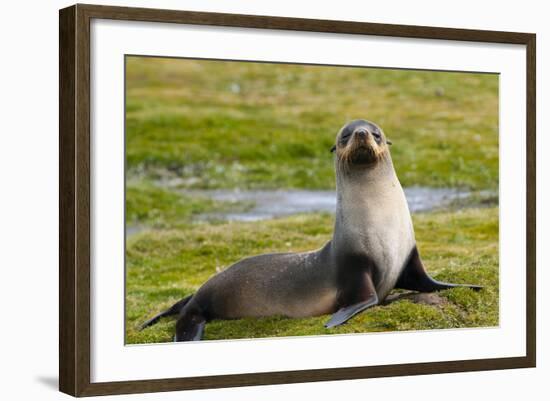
<point>252,125</point>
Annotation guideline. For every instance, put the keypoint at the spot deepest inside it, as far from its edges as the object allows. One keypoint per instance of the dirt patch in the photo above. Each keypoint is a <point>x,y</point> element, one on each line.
<point>429,298</point>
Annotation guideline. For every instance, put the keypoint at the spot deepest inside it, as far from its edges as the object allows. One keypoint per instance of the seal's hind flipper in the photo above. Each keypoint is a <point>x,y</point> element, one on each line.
<point>173,310</point>
<point>344,314</point>
<point>414,277</point>
<point>190,325</point>
<point>195,333</point>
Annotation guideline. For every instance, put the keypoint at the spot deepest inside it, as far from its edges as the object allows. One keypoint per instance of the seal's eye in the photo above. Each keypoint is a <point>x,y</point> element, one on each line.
<point>345,136</point>
<point>376,136</point>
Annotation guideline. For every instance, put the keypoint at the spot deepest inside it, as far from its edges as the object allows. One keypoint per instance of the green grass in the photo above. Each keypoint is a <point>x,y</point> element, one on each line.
<point>165,265</point>
<point>250,125</point>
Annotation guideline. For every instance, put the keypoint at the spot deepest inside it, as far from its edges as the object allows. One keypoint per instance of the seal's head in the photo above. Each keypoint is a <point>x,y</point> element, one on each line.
<point>360,144</point>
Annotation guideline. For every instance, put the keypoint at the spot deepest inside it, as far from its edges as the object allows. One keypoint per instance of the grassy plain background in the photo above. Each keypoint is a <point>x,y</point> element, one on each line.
<point>253,125</point>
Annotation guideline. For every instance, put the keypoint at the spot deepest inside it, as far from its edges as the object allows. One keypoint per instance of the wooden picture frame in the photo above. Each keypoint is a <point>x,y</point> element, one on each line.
<point>74,202</point>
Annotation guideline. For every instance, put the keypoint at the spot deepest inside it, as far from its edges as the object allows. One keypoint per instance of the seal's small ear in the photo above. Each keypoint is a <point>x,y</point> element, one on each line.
<point>388,142</point>
<point>333,149</point>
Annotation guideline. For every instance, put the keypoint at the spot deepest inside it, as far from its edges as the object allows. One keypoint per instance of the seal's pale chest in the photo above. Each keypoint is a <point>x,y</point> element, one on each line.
<point>378,225</point>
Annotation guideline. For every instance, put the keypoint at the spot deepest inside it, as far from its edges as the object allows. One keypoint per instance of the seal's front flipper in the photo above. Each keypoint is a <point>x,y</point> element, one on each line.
<point>344,314</point>
<point>414,277</point>
<point>365,294</point>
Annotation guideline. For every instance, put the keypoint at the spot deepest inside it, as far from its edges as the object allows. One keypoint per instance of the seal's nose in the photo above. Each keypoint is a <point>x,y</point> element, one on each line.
<point>361,133</point>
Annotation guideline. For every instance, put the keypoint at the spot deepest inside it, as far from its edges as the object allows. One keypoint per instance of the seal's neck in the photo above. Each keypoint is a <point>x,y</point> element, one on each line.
<point>360,182</point>
<point>366,197</point>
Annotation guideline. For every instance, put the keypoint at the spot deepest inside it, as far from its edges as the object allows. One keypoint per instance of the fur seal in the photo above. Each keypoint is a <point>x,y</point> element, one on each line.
<point>372,251</point>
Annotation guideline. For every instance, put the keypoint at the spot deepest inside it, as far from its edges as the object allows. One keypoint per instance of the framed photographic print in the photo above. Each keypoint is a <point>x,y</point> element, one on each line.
<point>250,200</point>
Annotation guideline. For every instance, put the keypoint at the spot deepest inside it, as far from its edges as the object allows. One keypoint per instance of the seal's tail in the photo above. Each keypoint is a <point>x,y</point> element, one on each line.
<point>173,310</point>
